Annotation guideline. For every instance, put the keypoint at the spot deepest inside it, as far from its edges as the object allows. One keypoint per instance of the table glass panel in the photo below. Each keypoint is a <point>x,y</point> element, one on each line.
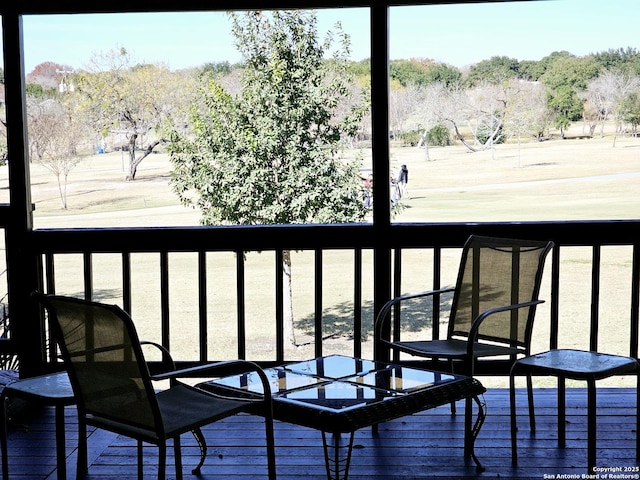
<point>336,396</point>
<point>333,366</point>
<point>401,379</point>
<point>327,379</point>
<point>279,380</point>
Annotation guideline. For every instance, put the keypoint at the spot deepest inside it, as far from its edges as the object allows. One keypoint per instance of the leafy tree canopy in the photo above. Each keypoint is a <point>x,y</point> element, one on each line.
<point>572,72</point>
<point>132,99</point>
<point>565,105</point>
<point>617,59</point>
<point>38,91</point>
<point>443,73</point>
<point>215,68</point>
<point>630,109</point>
<point>531,70</point>
<point>494,71</point>
<point>408,72</point>
<point>423,72</point>
<point>361,68</point>
<point>271,154</point>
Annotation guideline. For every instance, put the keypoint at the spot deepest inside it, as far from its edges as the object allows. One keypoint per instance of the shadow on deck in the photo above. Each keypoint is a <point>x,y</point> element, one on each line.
<point>422,446</point>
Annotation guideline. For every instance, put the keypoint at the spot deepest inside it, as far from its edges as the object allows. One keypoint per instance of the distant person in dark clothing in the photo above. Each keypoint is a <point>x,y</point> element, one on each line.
<point>403,179</point>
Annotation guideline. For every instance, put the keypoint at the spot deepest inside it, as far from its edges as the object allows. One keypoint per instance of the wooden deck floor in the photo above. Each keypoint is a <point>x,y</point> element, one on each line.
<point>422,446</point>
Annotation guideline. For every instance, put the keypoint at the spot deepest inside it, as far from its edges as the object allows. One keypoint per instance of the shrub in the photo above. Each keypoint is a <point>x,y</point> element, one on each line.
<point>439,136</point>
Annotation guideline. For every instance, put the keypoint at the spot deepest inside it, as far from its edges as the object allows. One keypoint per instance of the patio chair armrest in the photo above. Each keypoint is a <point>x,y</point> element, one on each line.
<point>167,360</point>
<point>383,316</point>
<point>477,323</point>
<point>217,370</point>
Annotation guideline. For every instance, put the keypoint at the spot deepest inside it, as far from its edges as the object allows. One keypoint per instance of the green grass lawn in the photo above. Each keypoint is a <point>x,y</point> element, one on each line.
<point>552,180</point>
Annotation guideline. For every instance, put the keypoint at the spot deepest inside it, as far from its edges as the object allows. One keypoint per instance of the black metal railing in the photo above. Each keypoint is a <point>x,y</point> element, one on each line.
<point>566,299</point>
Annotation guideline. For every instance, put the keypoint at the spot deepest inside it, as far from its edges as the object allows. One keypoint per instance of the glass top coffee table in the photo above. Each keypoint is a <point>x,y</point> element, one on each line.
<point>338,394</point>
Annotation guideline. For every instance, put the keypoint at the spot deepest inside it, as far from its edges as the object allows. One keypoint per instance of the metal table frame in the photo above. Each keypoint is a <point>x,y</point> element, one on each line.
<point>339,395</point>
<point>50,390</point>
<point>577,365</point>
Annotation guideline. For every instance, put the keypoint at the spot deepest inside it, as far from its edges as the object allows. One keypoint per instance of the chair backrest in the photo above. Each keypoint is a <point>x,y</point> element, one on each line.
<point>496,272</point>
<point>104,361</point>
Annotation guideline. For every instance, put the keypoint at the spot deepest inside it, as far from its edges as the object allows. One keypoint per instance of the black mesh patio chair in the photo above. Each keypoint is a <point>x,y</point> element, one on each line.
<point>115,390</point>
<point>492,310</point>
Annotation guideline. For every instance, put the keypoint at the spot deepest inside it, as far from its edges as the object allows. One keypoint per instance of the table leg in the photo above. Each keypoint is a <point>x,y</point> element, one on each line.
<point>514,428</point>
<point>61,454</point>
<point>471,433</point>
<point>562,405</point>
<point>591,425</point>
<point>338,463</point>
<point>468,420</point>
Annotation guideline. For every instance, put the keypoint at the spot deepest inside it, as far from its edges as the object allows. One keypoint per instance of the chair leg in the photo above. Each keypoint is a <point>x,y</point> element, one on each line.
<point>532,411</point>
<point>453,404</point>
<point>514,429</point>
<point>177,454</point>
<point>271,448</point>
<point>140,466</point>
<point>162,460</point>
<point>82,463</point>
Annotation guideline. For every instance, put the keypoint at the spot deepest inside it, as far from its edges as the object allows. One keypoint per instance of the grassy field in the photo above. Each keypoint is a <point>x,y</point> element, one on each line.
<point>556,180</point>
<point>570,179</point>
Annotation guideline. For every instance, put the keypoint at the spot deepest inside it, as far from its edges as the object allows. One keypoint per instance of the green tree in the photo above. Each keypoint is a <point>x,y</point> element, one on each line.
<point>619,59</point>
<point>550,59</point>
<point>566,107</point>
<point>273,153</point>
<point>408,72</point>
<point>133,100</point>
<point>361,68</point>
<point>439,135</point>
<point>38,91</point>
<point>423,72</point>
<point>494,71</point>
<point>566,78</point>
<point>214,68</point>
<point>629,110</point>
<point>531,70</point>
<point>443,73</point>
<point>573,72</point>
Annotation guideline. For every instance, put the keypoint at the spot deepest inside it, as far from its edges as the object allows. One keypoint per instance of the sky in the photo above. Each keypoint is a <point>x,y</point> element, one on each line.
<point>459,35</point>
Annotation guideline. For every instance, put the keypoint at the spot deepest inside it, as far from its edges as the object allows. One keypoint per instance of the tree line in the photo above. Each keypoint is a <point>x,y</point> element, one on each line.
<point>118,103</point>
<point>502,98</point>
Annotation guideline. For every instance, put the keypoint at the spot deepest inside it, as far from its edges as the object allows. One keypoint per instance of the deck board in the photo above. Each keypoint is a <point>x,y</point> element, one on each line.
<point>425,445</point>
